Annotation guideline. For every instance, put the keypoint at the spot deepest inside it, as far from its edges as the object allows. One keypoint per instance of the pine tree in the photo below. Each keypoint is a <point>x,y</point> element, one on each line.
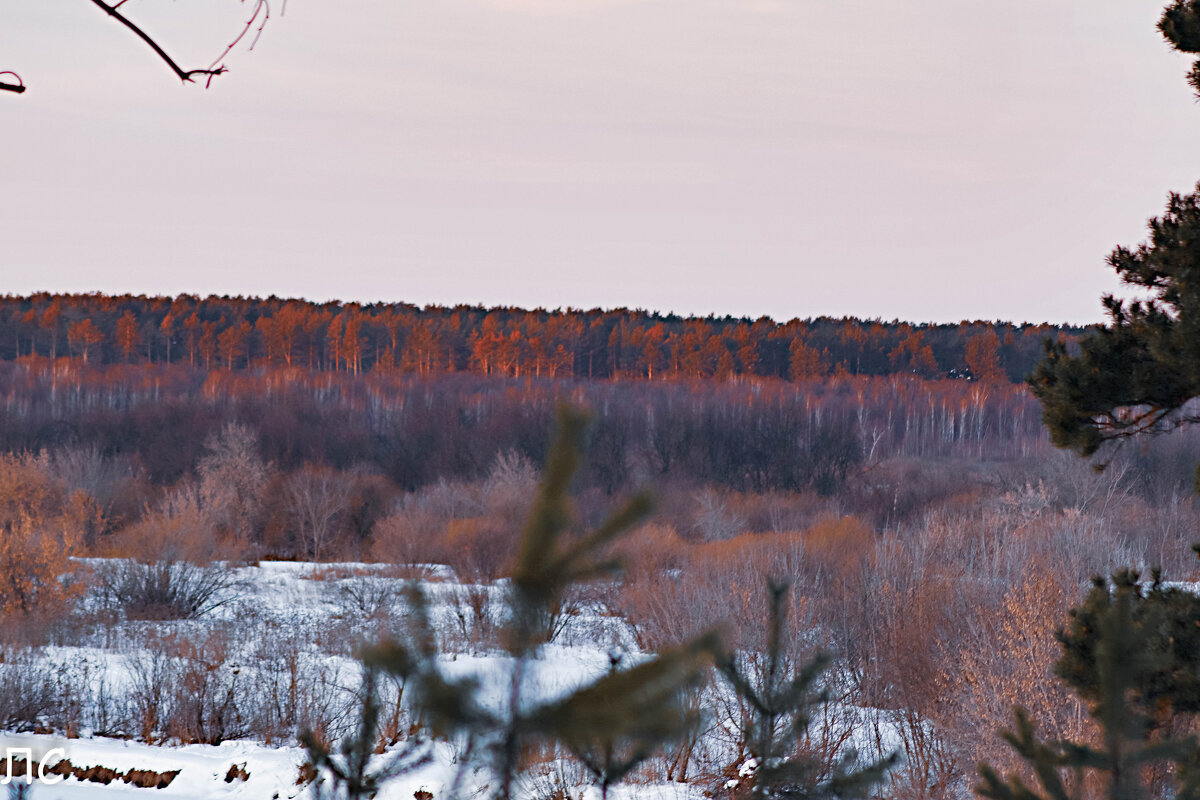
<point>632,703</point>
<point>1132,653</point>
<point>611,739</point>
<point>610,724</point>
<point>363,765</point>
<point>1180,25</point>
<point>781,703</point>
<point>360,769</point>
<point>1136,374</point>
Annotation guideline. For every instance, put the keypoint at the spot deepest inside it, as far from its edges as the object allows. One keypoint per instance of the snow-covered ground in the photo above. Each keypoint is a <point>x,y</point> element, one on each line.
<point>272,772</point>
<point>202,769</point>
<point>290,636</point>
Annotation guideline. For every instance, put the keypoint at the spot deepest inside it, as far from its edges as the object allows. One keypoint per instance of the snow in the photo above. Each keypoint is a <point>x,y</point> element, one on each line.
<point>202,768</point>
<point>272,772</point>
<point>300,603</point>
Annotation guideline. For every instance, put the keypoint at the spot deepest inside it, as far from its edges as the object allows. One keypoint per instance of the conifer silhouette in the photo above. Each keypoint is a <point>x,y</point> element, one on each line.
<point>781,703</point>
<point>1130,651</point>
<point>611,724</point>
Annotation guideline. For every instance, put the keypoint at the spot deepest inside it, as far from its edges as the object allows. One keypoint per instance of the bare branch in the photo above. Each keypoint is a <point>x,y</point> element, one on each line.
<point>184,75</point>
<point>1145,418</point>
<point>260,6</point>
<point>1130,422</point>
<point>253,29</point>
<point>17,87</point>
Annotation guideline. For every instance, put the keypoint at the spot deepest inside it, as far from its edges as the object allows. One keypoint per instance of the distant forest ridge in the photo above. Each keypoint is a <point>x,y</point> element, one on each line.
<point>235,333</point>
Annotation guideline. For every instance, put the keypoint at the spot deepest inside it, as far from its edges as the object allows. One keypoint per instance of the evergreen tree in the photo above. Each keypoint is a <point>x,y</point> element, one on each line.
<point>1167,668</point>
<point>632,703</point>
<point>360,769</point>
<point>1133,653</point>
<point>782,700</point>
<point>611,724</point>
<point>610,754</point>
<point>1180,24</point>
<point>1137,374</point>
<point>363,764</point>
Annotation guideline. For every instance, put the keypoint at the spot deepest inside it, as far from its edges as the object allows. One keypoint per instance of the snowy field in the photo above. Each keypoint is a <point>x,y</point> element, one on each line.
<point>280,656</point>
<point>271,771</point>
<point>286,626</point>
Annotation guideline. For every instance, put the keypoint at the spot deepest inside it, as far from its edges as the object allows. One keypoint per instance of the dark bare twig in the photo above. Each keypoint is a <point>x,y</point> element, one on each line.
<point>1154,420</point>
<point>183,75</point>
<point>17,87</point>
<point>260,15</point>
<point>1129,422</point>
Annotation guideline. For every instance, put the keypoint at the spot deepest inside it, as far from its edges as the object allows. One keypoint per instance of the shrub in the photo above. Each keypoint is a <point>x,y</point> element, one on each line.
<point>161,590</point>
<point>27,691</point>
<point>368,597</point>
<point>41,526</point>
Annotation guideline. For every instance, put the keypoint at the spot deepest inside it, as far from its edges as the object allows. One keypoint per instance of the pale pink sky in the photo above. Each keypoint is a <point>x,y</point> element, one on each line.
<point>917,159</point>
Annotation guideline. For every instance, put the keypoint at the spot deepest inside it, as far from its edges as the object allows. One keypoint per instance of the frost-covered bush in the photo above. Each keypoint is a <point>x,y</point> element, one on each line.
<point>368,597</point>
<point>189,689</point>
<point>27,690</point>
<point>162,590</point>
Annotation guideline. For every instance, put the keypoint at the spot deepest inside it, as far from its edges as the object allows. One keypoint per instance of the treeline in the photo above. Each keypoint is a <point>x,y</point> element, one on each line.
<point>235,333</point>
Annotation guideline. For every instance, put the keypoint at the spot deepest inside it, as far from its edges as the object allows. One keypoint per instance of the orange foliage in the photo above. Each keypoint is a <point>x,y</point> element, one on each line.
<point>474,547</point>
<point>1007,660</point>
<point>399,539</point>
<point>233,333</point>
<point>177,531</point>
<point>651,549</point>
<point>768,554</point>
<point>41,526</point>
<point>839,545</point>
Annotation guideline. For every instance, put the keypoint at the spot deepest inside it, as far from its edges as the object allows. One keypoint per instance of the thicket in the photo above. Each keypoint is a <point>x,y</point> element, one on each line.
<point>751,434</point>
<point>935,586</point>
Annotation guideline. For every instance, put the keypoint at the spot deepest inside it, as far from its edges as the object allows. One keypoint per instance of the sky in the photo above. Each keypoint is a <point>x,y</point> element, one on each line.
<point>925,160</point>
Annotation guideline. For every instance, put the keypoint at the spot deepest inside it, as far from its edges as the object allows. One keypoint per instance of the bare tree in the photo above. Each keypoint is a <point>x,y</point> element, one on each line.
<point>317,496</point>
<point>250,31</point>
<point>232,480</point>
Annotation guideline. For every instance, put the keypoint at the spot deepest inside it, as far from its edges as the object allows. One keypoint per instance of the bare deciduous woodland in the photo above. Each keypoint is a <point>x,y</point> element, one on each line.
<point>388,550</point>
<point>932,537</point>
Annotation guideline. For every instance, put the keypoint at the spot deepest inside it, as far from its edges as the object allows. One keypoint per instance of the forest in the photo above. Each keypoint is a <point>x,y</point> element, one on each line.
<point>362,399</point>
<point>247,333</point>
<point>267,547</point>
<point>170,464</point>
